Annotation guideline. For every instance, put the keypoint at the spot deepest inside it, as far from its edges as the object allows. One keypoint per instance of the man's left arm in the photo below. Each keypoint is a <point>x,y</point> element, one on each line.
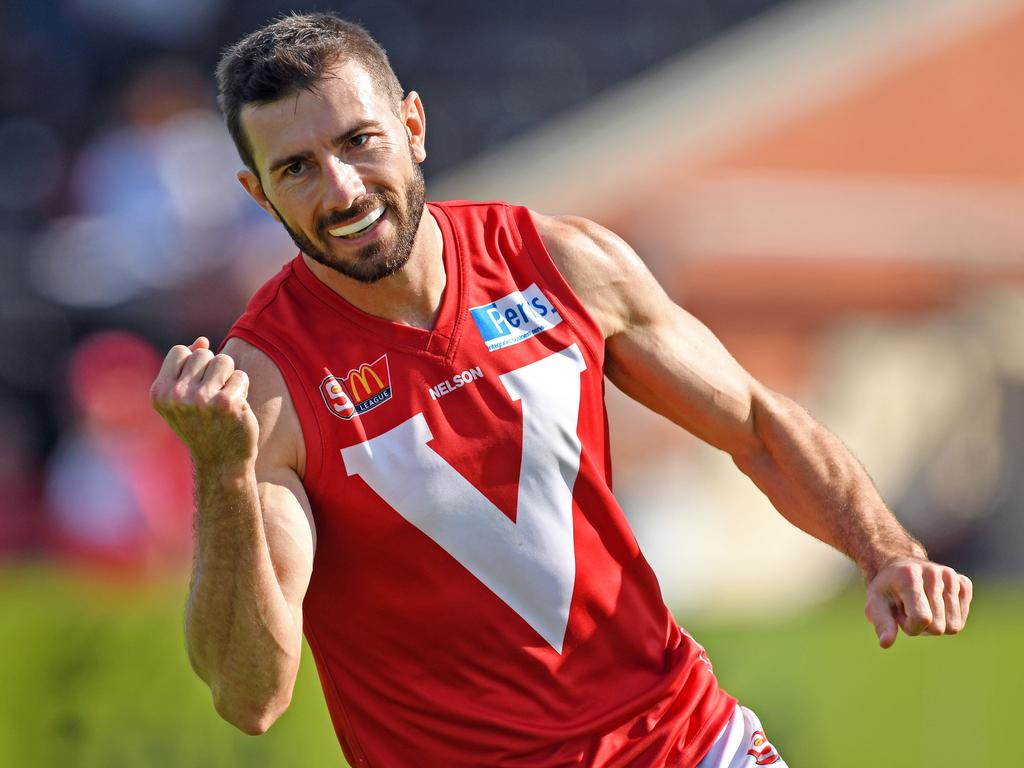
<point>664,358</point>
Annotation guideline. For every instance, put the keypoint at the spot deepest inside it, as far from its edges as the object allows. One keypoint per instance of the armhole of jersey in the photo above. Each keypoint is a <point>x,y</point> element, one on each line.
<point>522,227</point>
<point>304,406</point>
<point>457,260</point>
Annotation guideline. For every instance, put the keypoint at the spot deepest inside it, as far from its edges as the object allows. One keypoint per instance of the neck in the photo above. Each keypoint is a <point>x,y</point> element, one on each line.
<point>412,295</point>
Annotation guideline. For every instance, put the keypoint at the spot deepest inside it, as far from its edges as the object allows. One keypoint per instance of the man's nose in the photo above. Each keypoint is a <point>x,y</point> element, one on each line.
<point>343,185</point>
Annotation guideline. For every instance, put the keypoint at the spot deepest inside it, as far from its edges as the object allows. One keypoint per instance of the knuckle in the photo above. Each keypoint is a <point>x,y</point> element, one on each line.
<point>875,604</point>
<point>179,392</point>
<point>930,577</point>
<point>909,574</point>
<point>222,400</point>
<point>953,590</point>
<point>208,393</point>
<point>919,613</point>
<point>916,626</point>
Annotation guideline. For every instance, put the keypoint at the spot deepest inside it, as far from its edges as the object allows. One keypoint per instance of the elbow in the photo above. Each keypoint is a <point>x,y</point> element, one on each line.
<point>251,717</point>
<point>753,452</point>
<point>753,459</point>
<point>769,413</point>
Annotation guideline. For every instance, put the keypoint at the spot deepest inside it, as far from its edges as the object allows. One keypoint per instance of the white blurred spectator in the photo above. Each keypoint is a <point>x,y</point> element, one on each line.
<point>156,194</point>
<point>119,484</point>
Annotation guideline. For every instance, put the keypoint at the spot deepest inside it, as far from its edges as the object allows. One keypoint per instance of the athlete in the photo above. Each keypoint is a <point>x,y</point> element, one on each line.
<point>401,450</point>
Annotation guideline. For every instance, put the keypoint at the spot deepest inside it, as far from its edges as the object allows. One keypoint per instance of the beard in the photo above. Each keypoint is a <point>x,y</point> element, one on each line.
<point>378,259</point>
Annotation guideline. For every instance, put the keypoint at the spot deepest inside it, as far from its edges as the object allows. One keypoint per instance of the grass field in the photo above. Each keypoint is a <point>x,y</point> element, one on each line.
<point>95,676</point>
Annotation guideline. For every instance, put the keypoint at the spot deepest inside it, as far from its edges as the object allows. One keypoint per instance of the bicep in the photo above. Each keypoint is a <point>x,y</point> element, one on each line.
<point>290,531</point>
<point>656,352</point>
<point>672,363</point>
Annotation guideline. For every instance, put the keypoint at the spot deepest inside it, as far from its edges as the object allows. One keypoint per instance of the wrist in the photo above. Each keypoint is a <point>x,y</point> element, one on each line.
<point>908,550</point>
<point>232,475</point>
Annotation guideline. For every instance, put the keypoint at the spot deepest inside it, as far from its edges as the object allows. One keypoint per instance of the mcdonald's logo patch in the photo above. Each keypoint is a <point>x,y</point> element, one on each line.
<point>360,390</point>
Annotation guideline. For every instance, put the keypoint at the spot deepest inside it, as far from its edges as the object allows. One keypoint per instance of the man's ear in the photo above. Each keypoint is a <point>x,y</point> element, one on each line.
<point>415,125</point>
<point>251,182</point>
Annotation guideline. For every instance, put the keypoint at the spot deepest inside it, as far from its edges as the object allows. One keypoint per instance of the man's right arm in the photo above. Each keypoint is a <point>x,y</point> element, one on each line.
<point>254,530</point>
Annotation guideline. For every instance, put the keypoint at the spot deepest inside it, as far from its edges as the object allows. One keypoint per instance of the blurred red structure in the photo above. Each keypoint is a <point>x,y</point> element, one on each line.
<point>119,484</point>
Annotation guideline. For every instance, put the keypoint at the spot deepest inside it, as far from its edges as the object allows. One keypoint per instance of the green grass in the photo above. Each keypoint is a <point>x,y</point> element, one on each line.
<point>829,696</point>
<point>96,675</point>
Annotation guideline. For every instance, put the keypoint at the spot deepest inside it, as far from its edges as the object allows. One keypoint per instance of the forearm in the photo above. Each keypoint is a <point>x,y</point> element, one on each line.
<point>815,482</point>
<point>242,637</point>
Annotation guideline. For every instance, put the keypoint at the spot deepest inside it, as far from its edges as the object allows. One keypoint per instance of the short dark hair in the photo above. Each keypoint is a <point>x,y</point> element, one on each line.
<point>290,54</point>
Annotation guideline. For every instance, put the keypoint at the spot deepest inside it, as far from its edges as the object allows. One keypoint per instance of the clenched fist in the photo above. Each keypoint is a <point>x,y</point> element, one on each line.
<point>202,396</point>
<point>919,597</point>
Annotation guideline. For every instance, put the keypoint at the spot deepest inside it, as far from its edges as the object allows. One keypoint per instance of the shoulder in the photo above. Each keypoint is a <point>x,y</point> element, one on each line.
<point>253,361</point>
<point>603,269</point>
<point>280,441</point>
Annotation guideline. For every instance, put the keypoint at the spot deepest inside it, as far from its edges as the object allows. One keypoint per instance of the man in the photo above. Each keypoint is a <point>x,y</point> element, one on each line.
<point>418,399</point>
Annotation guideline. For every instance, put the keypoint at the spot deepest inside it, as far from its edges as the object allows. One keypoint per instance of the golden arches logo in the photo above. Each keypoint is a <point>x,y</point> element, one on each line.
<point>362,376</point>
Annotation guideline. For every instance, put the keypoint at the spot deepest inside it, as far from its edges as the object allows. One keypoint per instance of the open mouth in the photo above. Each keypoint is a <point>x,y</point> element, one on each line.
<point>360,227</point>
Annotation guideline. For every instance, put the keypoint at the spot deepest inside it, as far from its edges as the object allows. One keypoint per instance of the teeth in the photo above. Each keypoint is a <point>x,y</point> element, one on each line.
<point>356,226</point>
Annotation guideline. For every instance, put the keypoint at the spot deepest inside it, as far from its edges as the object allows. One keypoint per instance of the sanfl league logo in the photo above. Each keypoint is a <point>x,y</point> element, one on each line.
<point>362,389</point>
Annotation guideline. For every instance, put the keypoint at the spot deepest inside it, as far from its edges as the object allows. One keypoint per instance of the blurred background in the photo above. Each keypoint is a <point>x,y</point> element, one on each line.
<point>836,187</point>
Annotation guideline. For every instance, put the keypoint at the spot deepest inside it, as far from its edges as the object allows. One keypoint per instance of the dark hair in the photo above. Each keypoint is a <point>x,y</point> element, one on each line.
<point>291,54</point>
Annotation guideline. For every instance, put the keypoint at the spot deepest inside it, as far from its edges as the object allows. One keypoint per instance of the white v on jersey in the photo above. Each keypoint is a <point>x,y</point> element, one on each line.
<point>528,563</point>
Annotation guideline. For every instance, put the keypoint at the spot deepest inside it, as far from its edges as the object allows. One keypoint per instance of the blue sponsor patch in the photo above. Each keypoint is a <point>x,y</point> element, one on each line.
<point>515,318</point>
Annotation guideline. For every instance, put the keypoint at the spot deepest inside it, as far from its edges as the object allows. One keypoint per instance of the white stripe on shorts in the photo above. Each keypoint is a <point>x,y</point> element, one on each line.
<point>742,744</point>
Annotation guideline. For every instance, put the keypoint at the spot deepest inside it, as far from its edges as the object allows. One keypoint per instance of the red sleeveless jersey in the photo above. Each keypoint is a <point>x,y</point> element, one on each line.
<point>477,596</point>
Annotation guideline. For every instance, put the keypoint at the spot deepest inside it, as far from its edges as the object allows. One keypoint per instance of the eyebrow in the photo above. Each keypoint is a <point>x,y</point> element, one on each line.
<point>337,141</point>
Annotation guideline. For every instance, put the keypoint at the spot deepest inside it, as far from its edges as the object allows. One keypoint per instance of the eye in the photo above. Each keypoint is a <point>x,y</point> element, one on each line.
<point>294,169</point>
<point>359,140</point>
